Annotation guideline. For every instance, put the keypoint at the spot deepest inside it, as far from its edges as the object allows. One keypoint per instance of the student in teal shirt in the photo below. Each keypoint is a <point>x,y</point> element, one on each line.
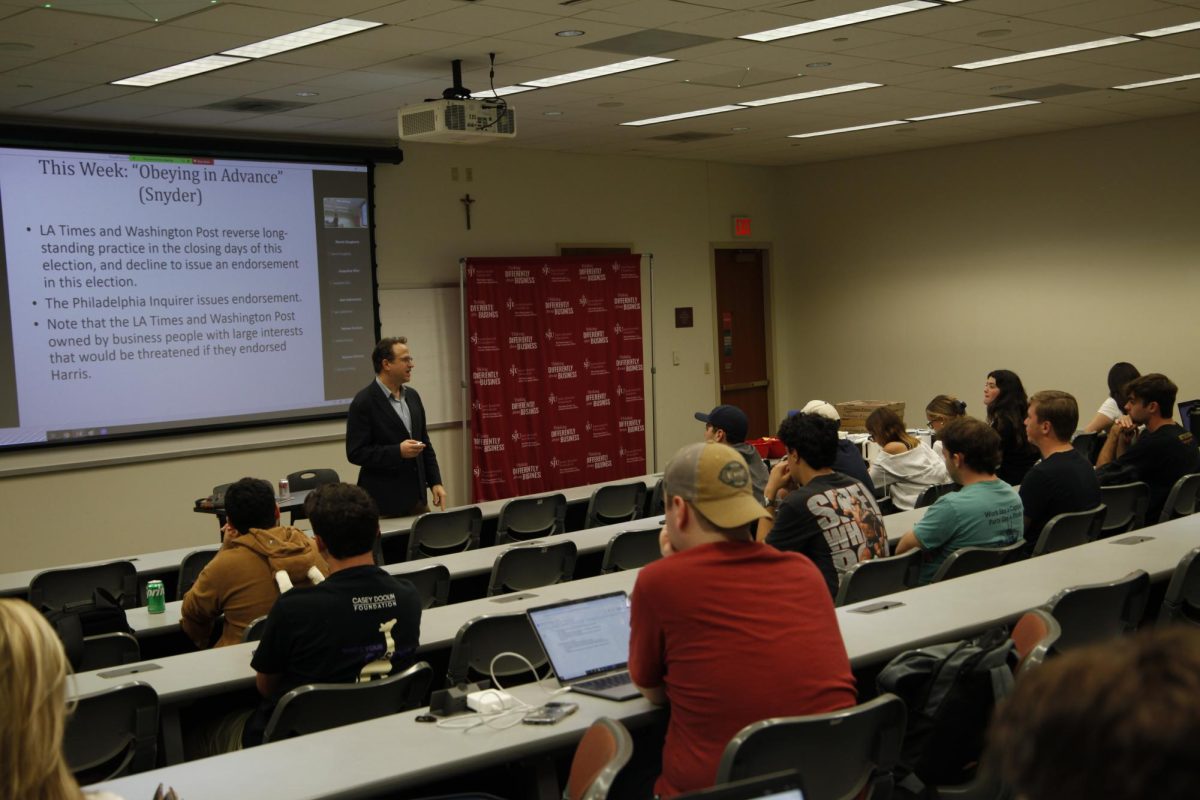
<point>986,512</point>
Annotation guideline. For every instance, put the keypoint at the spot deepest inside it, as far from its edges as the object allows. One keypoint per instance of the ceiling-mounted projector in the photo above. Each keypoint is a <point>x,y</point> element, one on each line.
<point>458,118</point>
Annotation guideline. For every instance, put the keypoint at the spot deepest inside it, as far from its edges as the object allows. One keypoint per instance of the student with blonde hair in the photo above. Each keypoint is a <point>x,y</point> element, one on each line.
<point>33,709</point>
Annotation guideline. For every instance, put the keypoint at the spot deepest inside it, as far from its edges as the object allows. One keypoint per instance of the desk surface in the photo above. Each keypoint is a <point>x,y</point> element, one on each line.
<point>933,613</point>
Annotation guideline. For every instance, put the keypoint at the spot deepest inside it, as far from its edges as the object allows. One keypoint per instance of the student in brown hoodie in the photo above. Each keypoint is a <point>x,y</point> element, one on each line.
<point>240,581</point>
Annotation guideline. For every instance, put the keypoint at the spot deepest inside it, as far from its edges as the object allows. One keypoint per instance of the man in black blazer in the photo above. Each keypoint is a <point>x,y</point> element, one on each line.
<point>386,437</point>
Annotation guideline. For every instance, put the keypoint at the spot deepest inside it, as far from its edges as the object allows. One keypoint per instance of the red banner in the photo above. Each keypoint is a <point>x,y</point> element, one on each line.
<point>557,391</point>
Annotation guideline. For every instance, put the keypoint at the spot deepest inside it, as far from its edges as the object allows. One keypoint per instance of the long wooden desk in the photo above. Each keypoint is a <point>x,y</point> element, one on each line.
<point>929,614</point>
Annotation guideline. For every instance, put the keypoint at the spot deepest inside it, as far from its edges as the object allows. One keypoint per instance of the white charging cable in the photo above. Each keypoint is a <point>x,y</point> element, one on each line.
<point>507,718</point>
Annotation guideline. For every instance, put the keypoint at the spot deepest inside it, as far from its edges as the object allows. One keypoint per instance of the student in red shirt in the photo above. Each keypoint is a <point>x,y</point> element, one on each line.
<point>727,630</point>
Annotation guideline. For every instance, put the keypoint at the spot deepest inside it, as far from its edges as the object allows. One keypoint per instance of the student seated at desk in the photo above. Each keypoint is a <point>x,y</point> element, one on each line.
<point>33,685</point>
<point>904,463</point>
<point>240,580</point>
<point>331,632</point>
<point>986,512</point>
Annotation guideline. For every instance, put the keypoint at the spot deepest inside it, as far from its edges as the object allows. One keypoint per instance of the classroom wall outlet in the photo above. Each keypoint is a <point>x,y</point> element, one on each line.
<point>454,173</point>
<point>469,174</point>
<point>707,368</point>
<point>675,357</point>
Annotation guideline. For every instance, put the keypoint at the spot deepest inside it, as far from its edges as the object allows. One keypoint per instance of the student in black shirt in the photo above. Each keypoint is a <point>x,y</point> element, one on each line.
<point>1161,455</point>
<point>1063,481</point>
<point>359,616</point>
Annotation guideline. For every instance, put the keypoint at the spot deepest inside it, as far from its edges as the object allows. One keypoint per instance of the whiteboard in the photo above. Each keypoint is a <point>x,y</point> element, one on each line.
<point>431,318</point>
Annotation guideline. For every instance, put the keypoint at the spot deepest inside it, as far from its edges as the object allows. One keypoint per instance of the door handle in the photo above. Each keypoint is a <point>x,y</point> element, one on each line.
<point>737,387</point>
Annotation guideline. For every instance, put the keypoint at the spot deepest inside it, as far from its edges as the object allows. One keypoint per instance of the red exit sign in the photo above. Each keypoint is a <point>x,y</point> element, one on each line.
<point>741,227</point>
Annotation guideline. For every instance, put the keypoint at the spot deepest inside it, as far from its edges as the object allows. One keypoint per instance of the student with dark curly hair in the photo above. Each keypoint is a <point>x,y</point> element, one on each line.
<point>1006,402</point>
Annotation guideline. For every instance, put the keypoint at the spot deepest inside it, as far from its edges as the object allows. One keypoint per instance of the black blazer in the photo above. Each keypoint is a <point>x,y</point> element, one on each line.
<point>373,435</point>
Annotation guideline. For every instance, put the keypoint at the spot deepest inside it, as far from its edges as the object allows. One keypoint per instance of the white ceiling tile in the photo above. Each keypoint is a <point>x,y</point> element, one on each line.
<point>68,25</point>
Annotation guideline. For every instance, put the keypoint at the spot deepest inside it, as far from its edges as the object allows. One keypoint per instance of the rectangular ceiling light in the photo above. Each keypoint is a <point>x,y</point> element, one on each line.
<point>685,115</point>
<point>501,91</point>
<point>1054,51</point>
<point>1159,82</point>
<point>291,41</point>
<point>974,110</point>
<point>839,21</point>
<point>787,98</point>
<point>185,70</point>
<point>848,130</point>
<point>1187,26</point>
<point>597,72</point>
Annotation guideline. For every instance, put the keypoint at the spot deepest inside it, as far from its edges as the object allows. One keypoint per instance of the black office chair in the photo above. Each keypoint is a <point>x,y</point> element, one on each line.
<point>112,733</point>
<point>57,588</point>
<point>1125,506</point>
<point>1070,530</point>
<point>601,754</point>
<point>654,500</point>
<point>483,638</point>
<point>877,577</point>
<point>1088,445</point>
<point>439,533</point>
<point>935,493</point>
<point>967,560</point>
<point>190,568</point>
<point>1098,611</point>
<point>630,550</point>
<point>612,504</point>
<point>532,565</point>
<point>254,630</point>
<point>307,479</point>
<point>1181,603</point>
<point>528,518</point>
<point>432,584</point>
<point>109,650</point>
<point>842,754</point>
<point>321,706</point>
<point>1181,502</point>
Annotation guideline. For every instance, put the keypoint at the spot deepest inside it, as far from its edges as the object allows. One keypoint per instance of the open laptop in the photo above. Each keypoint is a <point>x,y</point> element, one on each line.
<point>775,786</point>
<point>587,643</point>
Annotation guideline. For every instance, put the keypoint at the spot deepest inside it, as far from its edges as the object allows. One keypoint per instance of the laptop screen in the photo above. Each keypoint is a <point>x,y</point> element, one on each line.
<point>584,637</point>
<point>775,786</point>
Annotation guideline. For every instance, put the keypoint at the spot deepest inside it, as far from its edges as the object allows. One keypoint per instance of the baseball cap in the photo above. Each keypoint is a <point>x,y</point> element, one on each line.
<point>714,478</point>
<point>822,409</point>
<point>730,419</point>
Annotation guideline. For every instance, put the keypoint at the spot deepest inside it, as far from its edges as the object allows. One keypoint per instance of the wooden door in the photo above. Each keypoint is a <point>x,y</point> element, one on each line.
<point>742,337</point>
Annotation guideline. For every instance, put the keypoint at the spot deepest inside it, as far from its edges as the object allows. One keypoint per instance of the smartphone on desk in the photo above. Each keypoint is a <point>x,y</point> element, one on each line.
<point>550,713</point>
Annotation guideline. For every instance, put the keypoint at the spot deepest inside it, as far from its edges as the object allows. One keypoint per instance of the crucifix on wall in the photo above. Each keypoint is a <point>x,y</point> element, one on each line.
<point>467,200</point>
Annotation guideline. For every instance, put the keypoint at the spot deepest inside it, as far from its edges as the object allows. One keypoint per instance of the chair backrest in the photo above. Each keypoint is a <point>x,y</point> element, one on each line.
<point>933,493</point>
<point>56,588</point>
<point>1182,500</point>
<point>1087,445</point>
<point>112,733</point>
<point>612,504</point>
<point>532,565</point>
<point>440,533</point>
<point>654,500</point>
<point>190,568</point>
<point>321,706</point>
<point>1100,610</point>
<point>605,748</point>
<point>630,550</point>
<point>1125,507</point>
<point>432,583</point>
<point>254,630</point>
<point>109,650</point>
<point>1070,530</point>
<point>839,754</point>
<point>309,479</point>
<point>1182,600</point>
<point>1033,636</point>
<point>481,639</point>
<point>530,517</point>
<point>1186,408</point>
<point>877,577</point>
<point>966,560</point>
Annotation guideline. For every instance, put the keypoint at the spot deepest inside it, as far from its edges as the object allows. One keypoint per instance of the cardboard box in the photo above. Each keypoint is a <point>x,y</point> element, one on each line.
<point>854,413</point>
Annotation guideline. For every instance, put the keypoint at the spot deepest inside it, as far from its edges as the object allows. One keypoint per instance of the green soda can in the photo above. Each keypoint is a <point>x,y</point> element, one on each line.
<point>156,597</point>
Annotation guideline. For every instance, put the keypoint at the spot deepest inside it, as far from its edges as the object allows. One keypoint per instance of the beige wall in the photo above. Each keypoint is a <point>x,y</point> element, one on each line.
<point>527,204</point>
<point>1053,256</point>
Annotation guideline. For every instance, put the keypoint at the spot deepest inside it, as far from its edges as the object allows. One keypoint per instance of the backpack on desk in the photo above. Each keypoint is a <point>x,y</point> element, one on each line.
<point>72,622</point>
<point>950,691</point>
